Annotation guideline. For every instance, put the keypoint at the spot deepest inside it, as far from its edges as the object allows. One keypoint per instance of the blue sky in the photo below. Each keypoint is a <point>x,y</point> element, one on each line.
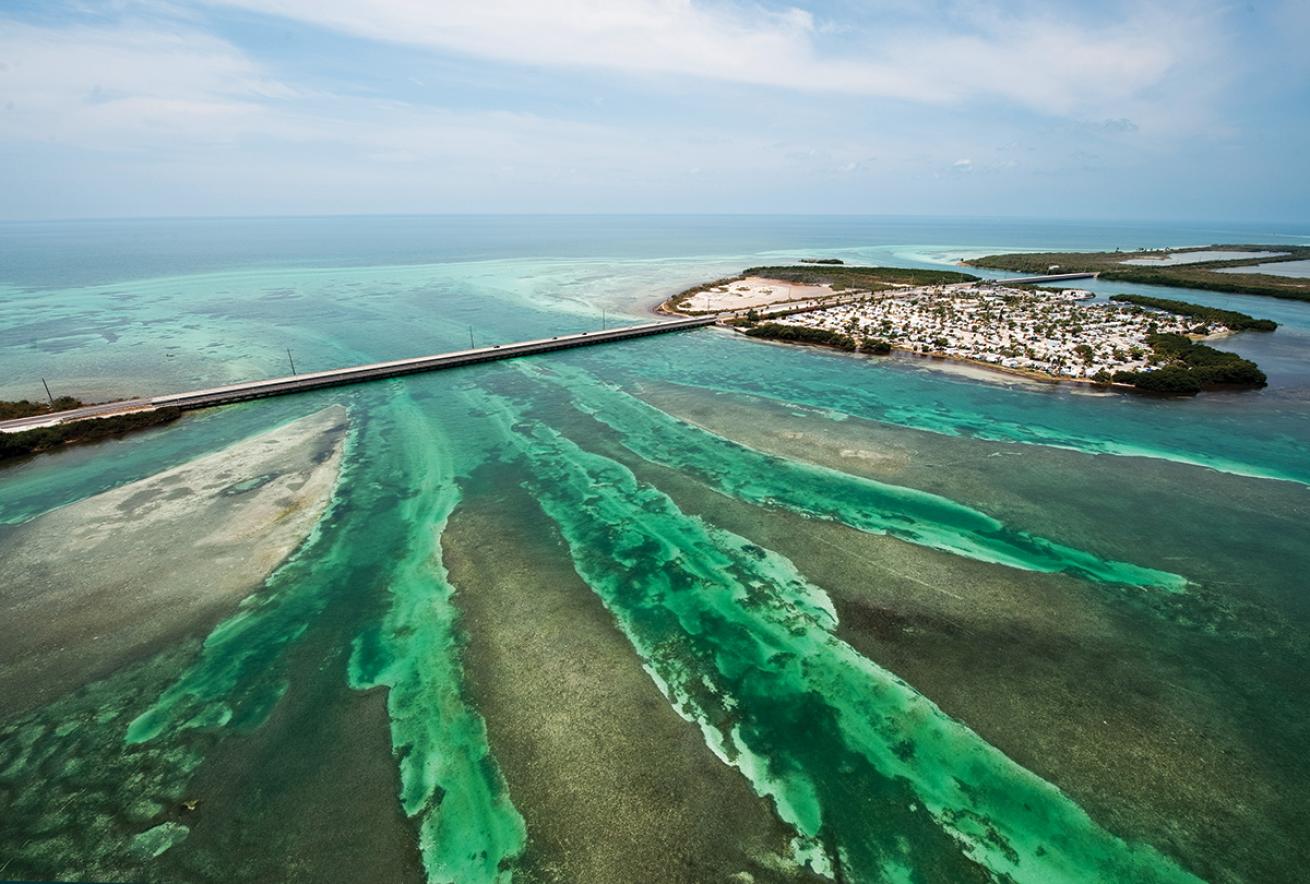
<point>1173,109</point>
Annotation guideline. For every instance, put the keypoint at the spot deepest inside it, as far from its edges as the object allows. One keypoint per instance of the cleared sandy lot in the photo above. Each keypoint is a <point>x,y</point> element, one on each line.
<point>753,291</point>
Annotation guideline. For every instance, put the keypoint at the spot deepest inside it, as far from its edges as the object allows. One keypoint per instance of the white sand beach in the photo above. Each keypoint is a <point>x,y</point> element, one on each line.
<point>753,291</point>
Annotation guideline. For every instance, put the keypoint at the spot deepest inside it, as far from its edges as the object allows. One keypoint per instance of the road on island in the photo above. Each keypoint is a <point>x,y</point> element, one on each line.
<point>50,419</point>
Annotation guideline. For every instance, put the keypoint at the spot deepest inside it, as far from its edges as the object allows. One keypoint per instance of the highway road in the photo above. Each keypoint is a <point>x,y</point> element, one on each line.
<point>357,373</point>
<point>1049,277</point>
<point>105,409</point>
<point>396,367</point>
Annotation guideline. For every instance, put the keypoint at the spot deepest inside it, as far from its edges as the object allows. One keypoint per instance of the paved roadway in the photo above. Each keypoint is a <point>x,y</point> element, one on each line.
<point>1050,277</point>
<point>394,368</point>
<point>105,409</point>
<point>397,367</point>
<point>355,374</point>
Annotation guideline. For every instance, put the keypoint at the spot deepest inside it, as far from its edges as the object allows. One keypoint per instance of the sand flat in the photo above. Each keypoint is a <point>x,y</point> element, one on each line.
<point>613,783</point>
<point>753,291</point>
<point>95,584</point>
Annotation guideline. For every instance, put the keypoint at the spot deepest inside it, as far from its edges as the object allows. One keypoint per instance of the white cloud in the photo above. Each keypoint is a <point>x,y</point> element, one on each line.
<point>132,86</point>
<point>187,110</point>
<point>163,115</point>
<point>1039,61</point>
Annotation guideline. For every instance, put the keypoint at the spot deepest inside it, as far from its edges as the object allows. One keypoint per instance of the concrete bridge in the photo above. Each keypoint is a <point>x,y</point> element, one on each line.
<point>1050,277</point>
<point>396,367</point>
<point>355,374</point>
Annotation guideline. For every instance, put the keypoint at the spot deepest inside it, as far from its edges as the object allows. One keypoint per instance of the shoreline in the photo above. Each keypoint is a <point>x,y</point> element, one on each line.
<point>664,308</point>
<point>946,357</point>
<point>1026,374</point>
<point>1165,385</point>
<point>1228,275</point>
<point>17,446</point>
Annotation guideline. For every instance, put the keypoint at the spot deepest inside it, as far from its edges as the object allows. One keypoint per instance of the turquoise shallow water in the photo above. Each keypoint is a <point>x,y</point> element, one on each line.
<point>739,642</point>
<point>793,681</point>
<point>1285,268</point>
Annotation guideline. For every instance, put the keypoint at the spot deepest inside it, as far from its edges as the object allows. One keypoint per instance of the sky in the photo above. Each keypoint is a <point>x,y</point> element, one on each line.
<point>1107,109</point>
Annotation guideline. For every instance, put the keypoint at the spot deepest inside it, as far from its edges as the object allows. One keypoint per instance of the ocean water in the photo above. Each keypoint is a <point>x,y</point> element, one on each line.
<point>1196,257</point>
<point>680,608</point>
<point>1283,268</point>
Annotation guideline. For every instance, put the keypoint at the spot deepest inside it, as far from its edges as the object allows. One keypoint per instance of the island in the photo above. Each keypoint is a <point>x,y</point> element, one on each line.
<point>1183,366</point>
<point>1230,318</point>
<point>1145,344</point>
<point>760,286</point>
<point>21,443</point>
<point>1234,268</point>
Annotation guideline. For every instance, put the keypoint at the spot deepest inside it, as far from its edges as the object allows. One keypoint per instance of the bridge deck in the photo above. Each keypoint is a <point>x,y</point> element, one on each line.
<point>1049,277</point>
<point>357,373</point>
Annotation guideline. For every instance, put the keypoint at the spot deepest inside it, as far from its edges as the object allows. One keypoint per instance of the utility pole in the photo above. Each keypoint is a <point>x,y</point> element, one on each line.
<point>471,344</point>
<point>292,361</point>
<point>602,318</point>
<point>47,392</point>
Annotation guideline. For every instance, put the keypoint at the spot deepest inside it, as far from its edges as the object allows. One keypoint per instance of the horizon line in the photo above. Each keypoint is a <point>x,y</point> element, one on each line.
<point>311,216</point>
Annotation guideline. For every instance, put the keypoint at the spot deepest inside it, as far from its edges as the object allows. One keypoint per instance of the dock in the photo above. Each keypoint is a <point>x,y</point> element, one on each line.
<point>355,374</point>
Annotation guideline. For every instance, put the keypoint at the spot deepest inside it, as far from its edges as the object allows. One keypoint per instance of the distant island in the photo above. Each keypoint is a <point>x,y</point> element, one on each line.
<point>1140,343</point>
<point>1225,268</point>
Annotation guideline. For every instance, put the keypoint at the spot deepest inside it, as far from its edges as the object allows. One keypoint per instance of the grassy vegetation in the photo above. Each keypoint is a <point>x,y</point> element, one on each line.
<point>1285,287</point>
<point>826,271</point>
<point>1201,275</point>
<point>1188,367</point>
<point>23,408</point>
<point>1231,318</point>
<point>1037,263</point>
<point>14,445</point>
<point>678,302</point>
<point>867,278</point>
<point>876,346</point>
<point>800,334</point>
